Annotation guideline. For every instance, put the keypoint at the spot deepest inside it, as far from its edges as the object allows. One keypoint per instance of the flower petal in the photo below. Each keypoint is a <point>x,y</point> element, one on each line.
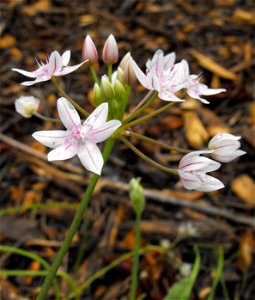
<point>26,73</point>
<point>28,83</point>
<point>98,117</point>
<point>102,132</point>
<point>157,63</point>
<point>169,60</point>
<point>55,63</point>
<point>209,184</point>
<point>91,157</point>
<point>169,96</point>
<point>189,181</point>
<point>153,82</point>
<point>229,156</point>
<point>65,151</point>
<point>52,138</point>
<point>139,74</point>
<point>68,114</point>
<point>66,57</point>
<point>69,69</point>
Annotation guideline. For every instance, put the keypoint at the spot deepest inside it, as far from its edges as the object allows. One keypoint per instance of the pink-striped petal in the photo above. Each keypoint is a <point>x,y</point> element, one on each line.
<point>55,63</point>
<point>67,150</point>
<point>51,138</point>
<point>104,131</point>
<point>98,117</point>
<point>66,57</point>
<point>26,73</point>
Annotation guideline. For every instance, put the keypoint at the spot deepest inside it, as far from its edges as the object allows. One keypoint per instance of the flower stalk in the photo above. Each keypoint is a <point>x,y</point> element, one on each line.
<point>74,226</point>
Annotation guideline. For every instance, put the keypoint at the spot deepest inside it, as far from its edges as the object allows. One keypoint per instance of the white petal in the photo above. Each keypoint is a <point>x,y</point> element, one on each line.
<point>189,181</point>
<point>28,83</point>
<point>66,57</point>
<point>55,63</point>
<point>153,82</point>
<point>169,60</point>
<point>68,114</point>
<point>169,96</point>
<point>69,69</point>
<point>157,63</point>
<point>102,132</point>
<point>199,163</point>
<point>65,151</point>
<point>139,74</point>
<point>91,157</point>
<point>52,138</point>
<point>209,184</point>
<point>228,157</point>
<point>26,73</point>
<point>98,117</point>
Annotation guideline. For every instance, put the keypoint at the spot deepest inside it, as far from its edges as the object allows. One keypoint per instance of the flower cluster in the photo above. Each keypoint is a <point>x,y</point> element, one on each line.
<point>164,78</point>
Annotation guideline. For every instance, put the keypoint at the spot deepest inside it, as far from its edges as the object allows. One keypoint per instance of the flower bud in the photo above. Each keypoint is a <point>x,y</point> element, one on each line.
<point>136,195</point>
<point>225,147</point>
<point>110,53</point>
<point>107,87</point>
<point>97,95</point>
<point>89,50</point>
<point>119,89</point>
<point>119,74</point>
<point>124,60</point>
<point>26,105</point>
<point>129,76</point>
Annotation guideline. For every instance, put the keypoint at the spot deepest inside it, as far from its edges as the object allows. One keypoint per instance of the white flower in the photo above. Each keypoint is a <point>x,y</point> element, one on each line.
<point>225,147</point>
<point>26,105</point>
<point>55,66</point>
<point>79,139</point>
<point>193,169</point>
<point>163,76</point>
<point>195,89</point>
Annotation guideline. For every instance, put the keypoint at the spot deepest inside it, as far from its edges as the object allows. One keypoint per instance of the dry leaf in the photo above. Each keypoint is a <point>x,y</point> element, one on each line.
<point>7,41</point>
<point>86,20</point>
<point>244,187</point>
<point>212,66</point>
<point>247,242</point>
<point>195,131</point>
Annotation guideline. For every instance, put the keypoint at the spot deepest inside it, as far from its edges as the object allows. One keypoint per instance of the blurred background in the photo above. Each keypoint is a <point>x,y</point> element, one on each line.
<point>39,199</point>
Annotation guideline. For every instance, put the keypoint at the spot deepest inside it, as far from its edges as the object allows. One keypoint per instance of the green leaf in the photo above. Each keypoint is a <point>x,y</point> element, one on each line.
<point>180,290</point>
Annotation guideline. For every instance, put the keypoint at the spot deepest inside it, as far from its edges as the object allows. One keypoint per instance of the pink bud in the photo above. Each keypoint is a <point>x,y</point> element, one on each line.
<point>110,53</point>
<point>89,50</point>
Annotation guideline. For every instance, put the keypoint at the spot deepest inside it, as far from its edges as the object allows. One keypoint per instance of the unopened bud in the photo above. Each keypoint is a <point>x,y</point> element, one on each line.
<point>119,74</point>
<point>97,95</point>
<point>107,87</point>
<point>27,105</point>
<point>129,76</point>
<point>124,60</point>
<point>110,53</point>
<point>119,89</point>
<point>89,50</point>
<point>136,195</point>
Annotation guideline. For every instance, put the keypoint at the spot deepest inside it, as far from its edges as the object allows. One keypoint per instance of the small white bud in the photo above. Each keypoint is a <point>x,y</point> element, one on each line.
<point>27,105</point>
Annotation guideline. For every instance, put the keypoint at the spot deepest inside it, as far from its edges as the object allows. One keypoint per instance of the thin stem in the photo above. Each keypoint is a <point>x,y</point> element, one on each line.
<point>149,116</point>
<point>74,226</point>
<point>112,265</point>
<point>93,73</point>
<point>32,256</point>
<point>44,118</point>
<point>109,69</point>
<point>220,258</point>
<point>62,93</point>
<point>146,158</point>
<point>154,142</point>
<point>136,257</point>
<point>224,288</point>
<point>138,110</point>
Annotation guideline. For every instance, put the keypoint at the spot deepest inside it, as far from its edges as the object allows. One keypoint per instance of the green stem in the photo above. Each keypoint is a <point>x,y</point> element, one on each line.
<point>109,69</point>
<point>136,257</point>
<point>146,158</point>
<point>93,73</point>
<point>32,256</point>
<point>44,118</point>
<point>112,265</point>
<point>138,110</point>
<point>74,226</point>
<point>220,258</point>
<point>149,116</point>
<point>62,93</point>
<point>154,142</point>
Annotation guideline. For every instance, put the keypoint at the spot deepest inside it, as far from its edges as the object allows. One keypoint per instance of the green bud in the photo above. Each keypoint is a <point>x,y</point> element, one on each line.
<point>120,74</point>
<point>97,95</point>
<point>107,87</point>
<point>120,90</point>
<point>136,195</point>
